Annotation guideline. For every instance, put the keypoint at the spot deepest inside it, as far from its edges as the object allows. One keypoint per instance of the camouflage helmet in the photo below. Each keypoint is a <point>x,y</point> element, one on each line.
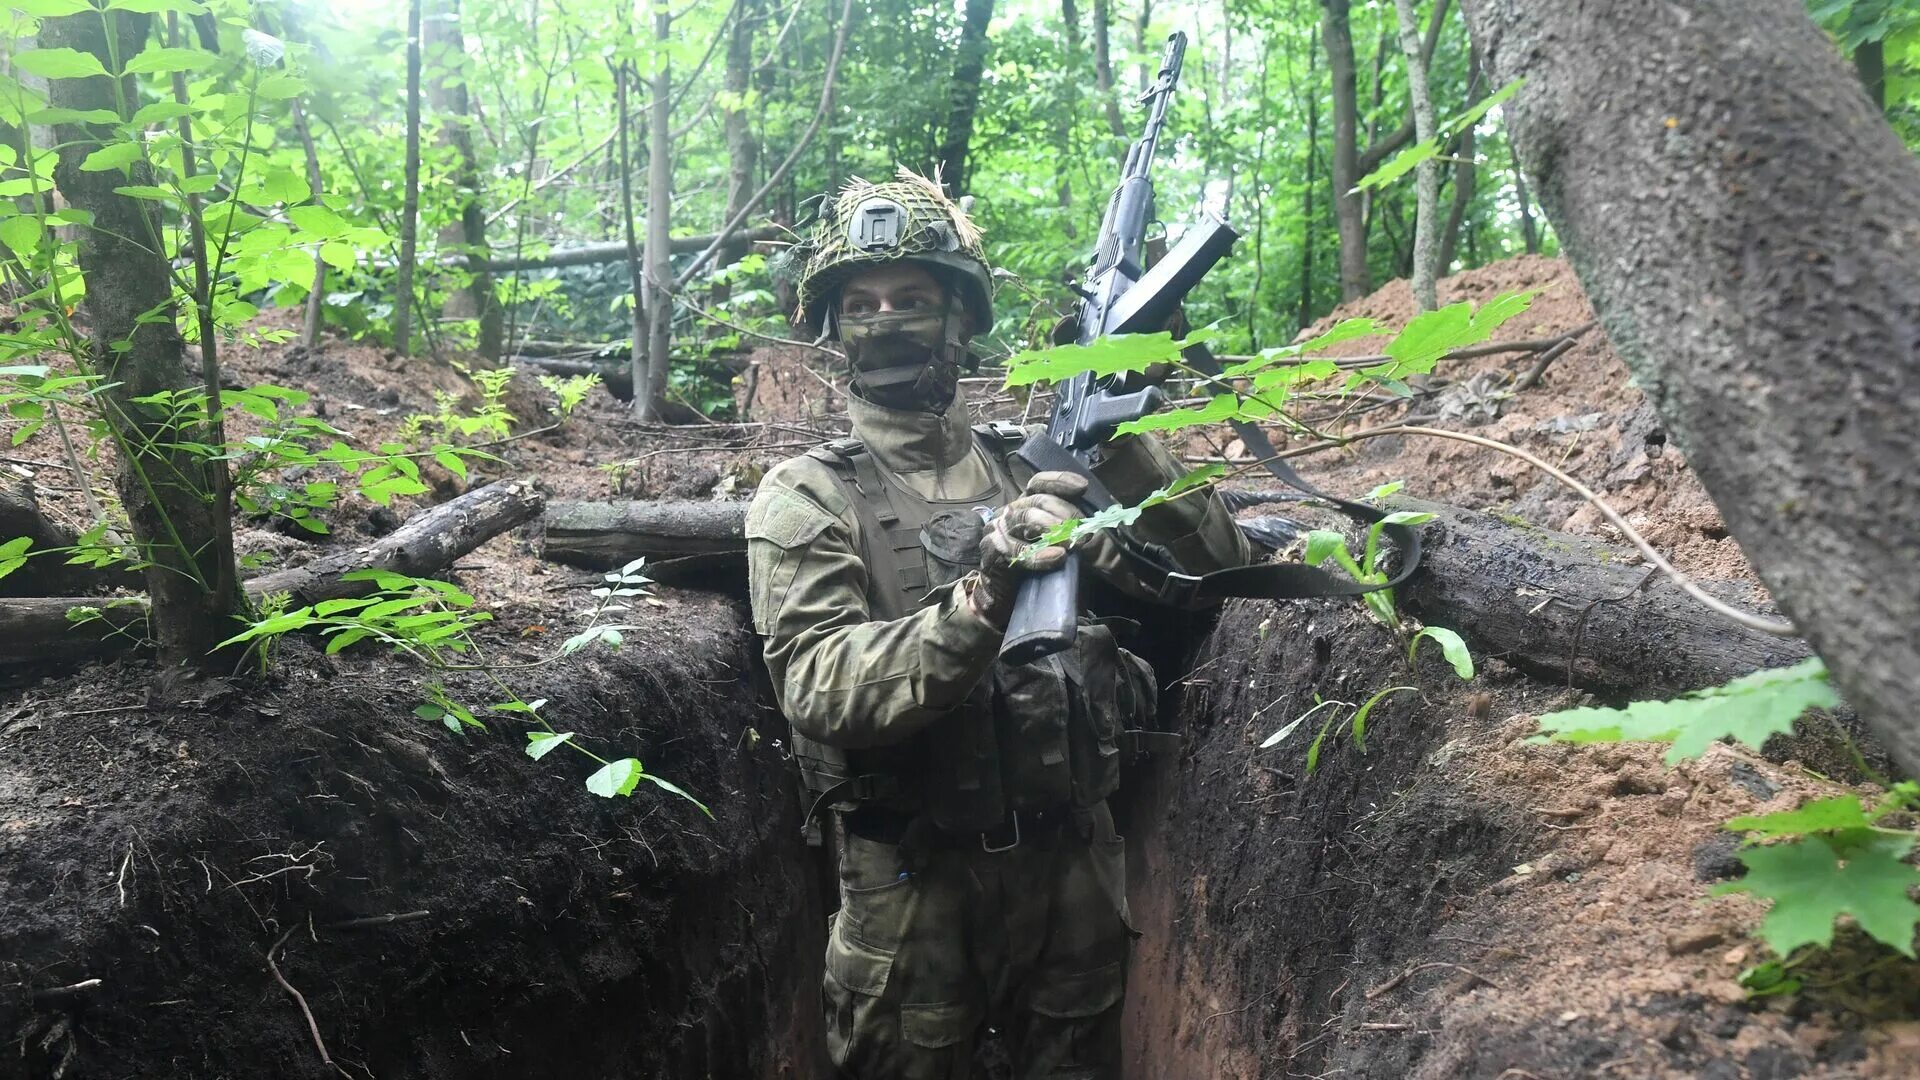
<point>869,224</point>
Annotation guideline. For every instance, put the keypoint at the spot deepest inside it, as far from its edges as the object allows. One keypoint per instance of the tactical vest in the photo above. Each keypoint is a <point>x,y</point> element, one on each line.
<point>1030,737</point>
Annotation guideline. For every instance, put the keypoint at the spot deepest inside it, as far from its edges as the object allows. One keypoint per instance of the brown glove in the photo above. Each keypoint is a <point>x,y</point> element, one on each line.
<point>1011,531</point>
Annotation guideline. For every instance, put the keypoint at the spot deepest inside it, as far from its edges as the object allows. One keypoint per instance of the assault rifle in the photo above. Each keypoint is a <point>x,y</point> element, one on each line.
<point>1119,296</point>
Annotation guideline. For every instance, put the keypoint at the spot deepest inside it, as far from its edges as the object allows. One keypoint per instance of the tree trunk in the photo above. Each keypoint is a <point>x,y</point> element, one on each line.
<point>1337,31</point>
<point>743,150</point>
<point>1870,62</point>
<point>1069,113</point>
<point>1748,229</point>
<point>1465,174</point>
<point>1529,231</point>
<point>657,280</point>
<point>1306,195</point>
<point>447,94</point>
<point>410,200</point>
<point>615,251</point>
<point>637,321</point>
<point>1103,67</point>
<point>968,64</point>
<point>317,292</point>
<point>1427,173</point>
<point>168,491</point>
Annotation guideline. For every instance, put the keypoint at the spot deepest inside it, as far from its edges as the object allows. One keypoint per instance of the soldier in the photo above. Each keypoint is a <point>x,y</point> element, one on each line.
<point>981,880</point>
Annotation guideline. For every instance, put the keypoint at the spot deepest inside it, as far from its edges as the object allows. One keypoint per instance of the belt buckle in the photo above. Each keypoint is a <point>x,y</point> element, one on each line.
<point>1179,589</point>
<point>988,847</point>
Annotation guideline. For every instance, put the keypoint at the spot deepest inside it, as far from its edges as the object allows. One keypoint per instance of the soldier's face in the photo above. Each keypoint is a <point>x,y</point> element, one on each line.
<point>891,288</point>
<point>902,336</point>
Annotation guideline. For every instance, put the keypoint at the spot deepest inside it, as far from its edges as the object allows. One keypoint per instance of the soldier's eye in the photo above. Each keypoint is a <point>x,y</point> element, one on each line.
<point>860,306</point>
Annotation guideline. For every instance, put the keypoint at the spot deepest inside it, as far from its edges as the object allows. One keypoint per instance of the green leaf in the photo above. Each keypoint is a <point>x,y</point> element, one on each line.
<point>144,191</point>
<point>49,8</point>
<point>1407,517</point>
<point>1278,737</point>
<point>13,554</point>
<point>21,234</point>
<point>1821,815</point>
<point>1813,880</point>
<point>1324,544</point>
<point>667,785</point>
<point>338,255</point>
<point>160,112</point>
<point>1749,709</point>
<point>451,462</point>
<point>1472,116</point>
<point>1223,407</point>
<point>1432,334</point>
<point>616,778</point>
<point>318,220</point>
<point>73,116</point>
<point>1385,490</point>
<point>542,743</point>
<point>1399,165</point>
<point>157,7</point>
<point>112,156</point>
<point>58,63</point>
<point>1105,356</point>
<point>164,60</point>
<point>1451,646</point>
<point>1194,478</point>
<point>1344,330</point>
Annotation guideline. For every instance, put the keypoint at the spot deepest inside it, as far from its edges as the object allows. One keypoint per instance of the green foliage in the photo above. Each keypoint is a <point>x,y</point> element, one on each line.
<point>1452,646</point>
<point>490,421</point>
<point>1323,545</point>
<point>1858,872</point>
<point>1111,355</point>
<point>1748,709</point>
<point>1404,162</point>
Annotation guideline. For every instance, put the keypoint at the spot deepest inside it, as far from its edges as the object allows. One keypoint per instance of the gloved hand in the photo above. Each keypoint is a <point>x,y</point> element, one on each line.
<point>1044,504</point>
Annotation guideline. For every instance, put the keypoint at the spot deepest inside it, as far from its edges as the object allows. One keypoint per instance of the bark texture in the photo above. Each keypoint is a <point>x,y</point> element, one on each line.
<point>1427,173</point>
<point>168,491</point>
<point>616,250</point>
<point>968,64</point>
<point>410,199</point>
<point>657,282</point>
<point>447,93</point>
<point>600,536</point>
<point>1748,229</point>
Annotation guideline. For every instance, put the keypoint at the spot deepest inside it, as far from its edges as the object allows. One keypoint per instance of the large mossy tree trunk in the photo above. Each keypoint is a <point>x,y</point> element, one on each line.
<point>1748,229</point>
<point>169,491</point>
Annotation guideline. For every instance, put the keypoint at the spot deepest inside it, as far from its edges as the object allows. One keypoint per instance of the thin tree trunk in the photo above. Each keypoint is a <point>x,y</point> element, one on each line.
<point>1337,31</point>
<point>447,94</point>
<point>1103,67</point>
<point>743,150</point>
<point>1306,197</point>
<point>1465,176</point>
<point>410,202</point>
<point>637,355</point>
<point>317,293</point>
<point>167,490</point>
<point>1752,259</point>
<point>1069,113</point>
<point>1427,173</point>
<point>657,281</point>
<point>1870,62</point>
<point>1144,68</point>
<point>1529,230</point>
<point>968,64</point>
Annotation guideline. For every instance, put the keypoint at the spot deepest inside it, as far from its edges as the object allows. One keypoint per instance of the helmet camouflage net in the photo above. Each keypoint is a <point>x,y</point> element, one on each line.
<point>869,224</point>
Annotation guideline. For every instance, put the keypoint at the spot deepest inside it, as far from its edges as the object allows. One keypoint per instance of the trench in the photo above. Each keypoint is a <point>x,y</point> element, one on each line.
<point>563,936</point>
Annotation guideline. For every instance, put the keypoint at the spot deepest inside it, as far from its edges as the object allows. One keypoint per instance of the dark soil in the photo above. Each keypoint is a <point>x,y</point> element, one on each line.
<point>165,850</point>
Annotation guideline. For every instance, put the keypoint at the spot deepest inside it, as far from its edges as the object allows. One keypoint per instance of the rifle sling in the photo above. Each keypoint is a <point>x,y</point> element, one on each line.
<point>1277,581</point>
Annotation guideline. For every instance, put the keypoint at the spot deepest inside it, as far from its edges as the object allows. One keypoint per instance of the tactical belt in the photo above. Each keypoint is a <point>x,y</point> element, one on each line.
<point>1276,581</point>
<point>1039,827</point>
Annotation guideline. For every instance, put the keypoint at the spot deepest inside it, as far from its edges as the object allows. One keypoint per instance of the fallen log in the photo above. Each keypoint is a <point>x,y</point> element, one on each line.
<point>40,630</point>
<point>1561,607</point>
<point>20,515</point>
<point>615,374</point>
<point>1576,610</point>
<point>616,251</point>
<point>601,535</point>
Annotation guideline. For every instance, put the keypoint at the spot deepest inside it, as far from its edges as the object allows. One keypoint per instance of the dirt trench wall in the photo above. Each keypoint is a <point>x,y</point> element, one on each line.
<point>563,934</point>
<point>1269,899</point>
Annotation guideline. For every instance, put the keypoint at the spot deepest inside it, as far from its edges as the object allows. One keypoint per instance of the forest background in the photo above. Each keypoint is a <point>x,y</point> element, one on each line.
<point>547,126</point>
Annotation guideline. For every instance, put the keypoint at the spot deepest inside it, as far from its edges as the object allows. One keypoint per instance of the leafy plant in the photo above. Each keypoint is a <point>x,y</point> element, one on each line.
<point>1833,858</point>
<point>569,391</point>
<point>432,622</point>
<point>490,420</point>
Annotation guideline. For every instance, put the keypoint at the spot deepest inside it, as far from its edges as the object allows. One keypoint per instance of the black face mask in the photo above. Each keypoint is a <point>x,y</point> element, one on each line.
<point>909,360</point>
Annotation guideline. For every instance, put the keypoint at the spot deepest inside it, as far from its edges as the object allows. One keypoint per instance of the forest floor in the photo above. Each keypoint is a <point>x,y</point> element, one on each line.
<point>1453,902</point>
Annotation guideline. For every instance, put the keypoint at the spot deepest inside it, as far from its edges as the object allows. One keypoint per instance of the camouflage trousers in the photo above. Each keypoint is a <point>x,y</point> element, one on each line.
<point>1032,940</point>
